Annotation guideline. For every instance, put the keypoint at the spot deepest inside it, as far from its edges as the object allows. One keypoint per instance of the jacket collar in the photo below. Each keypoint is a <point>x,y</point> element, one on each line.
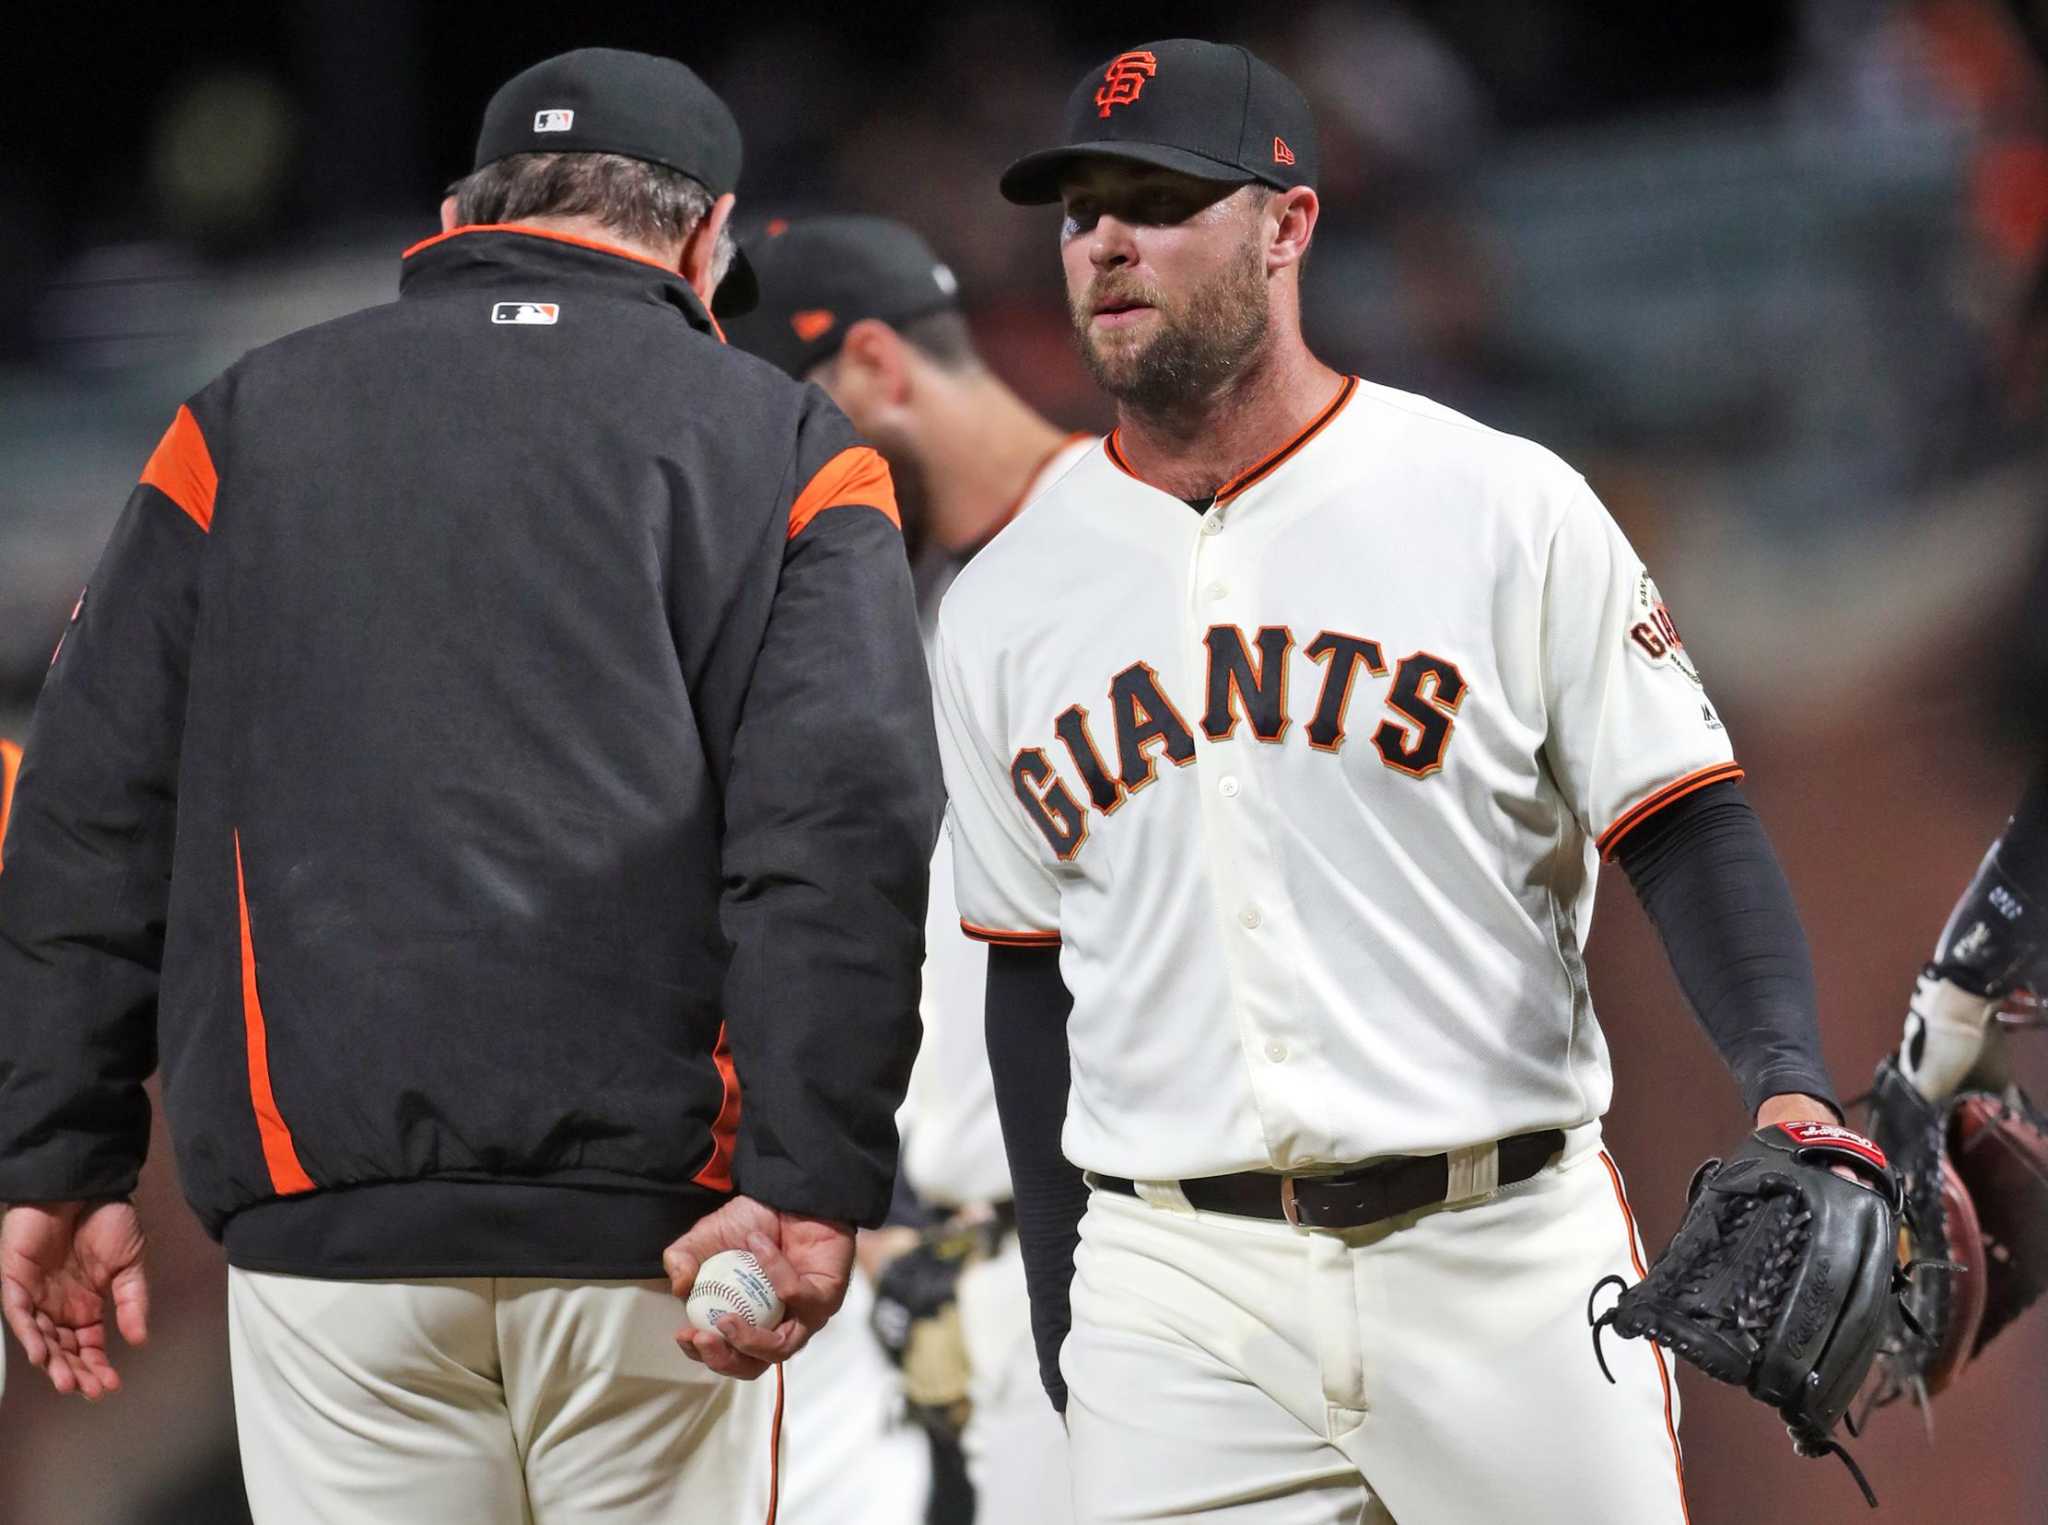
<point>488,254</point>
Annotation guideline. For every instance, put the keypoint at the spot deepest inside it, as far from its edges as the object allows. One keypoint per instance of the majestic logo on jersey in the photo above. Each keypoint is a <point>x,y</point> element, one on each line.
<point>1247,684</point>
<point>1124,80</point>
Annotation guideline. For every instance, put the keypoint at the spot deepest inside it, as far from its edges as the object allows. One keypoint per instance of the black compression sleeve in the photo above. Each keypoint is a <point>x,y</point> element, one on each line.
<point>1706,873</point>
<point>1027,1053</point>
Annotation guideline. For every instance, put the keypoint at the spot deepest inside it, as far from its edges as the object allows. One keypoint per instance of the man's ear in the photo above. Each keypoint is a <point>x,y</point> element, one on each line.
<point>1293,215</point>
<point>448,222</point>
<point>700,249</point>
<point>881,358</point>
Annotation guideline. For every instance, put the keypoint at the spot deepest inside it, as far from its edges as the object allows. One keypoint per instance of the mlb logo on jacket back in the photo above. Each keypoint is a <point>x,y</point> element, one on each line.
<point>525,312</point>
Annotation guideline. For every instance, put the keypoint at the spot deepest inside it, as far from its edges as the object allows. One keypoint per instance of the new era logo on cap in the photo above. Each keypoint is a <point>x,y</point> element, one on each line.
<point>553,121</point>
<point>1282,154</point>
<point>525,312</point>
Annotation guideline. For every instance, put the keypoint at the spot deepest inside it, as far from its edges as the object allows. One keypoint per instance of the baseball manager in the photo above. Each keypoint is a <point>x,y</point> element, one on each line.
<point>491,774</point>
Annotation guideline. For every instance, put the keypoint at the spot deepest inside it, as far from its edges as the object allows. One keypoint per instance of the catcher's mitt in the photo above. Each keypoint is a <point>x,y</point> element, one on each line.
<point>917,1319</point>
<point>1781,1278</point>
<point>1974,1235</point>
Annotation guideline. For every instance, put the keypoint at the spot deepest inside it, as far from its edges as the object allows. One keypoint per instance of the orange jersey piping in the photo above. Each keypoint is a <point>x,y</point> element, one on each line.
<point>1671,793</point>
<point>1003,939</point>
<point>1265,468</point>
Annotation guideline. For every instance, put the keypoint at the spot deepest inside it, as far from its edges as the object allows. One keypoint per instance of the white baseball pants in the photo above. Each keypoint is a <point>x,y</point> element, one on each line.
<point>517,1401</point>
<point>1015,1446</point>
<point>1433,1370</point>
<point>850,1454</point>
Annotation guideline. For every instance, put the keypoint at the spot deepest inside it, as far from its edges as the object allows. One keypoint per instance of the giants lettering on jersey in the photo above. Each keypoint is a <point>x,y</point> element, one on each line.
<point>1247,684</point>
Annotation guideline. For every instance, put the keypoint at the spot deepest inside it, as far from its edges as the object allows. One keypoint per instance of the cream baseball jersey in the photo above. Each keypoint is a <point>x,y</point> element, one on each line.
<point>1310,788</point>
<point>952,1138</point>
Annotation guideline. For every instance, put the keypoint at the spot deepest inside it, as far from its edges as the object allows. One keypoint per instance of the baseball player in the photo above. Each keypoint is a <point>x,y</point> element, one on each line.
<point>493,768</point>
<point>862,306</point>
<point>1283,735</point>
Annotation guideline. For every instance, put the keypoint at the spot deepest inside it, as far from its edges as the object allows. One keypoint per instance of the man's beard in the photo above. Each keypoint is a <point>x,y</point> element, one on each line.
<point>1192,352</point>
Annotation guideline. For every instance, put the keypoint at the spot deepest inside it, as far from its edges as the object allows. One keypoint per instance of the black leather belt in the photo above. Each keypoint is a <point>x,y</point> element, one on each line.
<point>1353,1198</point>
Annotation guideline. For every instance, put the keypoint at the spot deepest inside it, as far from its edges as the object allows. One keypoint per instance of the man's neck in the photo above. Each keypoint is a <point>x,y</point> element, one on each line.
<point>1194,448</point>
<point>983,447</point>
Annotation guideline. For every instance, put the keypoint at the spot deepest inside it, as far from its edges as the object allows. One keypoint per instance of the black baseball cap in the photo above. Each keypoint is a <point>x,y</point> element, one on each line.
<point>1210,109</point>
<point>821,275</point>
<point>608,101</point>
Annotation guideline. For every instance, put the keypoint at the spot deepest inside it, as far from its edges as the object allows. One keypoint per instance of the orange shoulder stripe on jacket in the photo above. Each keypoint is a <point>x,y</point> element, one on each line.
<point>10,769</point>
<point>181,468</point>
<point>280,1154</point>
<point>1004,939</point>
<point>1632,818</point>
<point>856,477</point>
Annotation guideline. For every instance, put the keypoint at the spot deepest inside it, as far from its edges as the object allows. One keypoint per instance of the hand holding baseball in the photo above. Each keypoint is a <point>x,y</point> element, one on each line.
<point>805,1260</point>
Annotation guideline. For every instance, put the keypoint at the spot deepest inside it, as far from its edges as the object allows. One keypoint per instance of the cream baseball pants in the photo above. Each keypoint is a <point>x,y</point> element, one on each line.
<point>1435,1369</point>
<point>499,1401</point>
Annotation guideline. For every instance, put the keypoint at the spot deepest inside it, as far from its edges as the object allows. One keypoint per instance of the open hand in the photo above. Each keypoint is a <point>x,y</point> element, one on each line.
<point>60,1263</point>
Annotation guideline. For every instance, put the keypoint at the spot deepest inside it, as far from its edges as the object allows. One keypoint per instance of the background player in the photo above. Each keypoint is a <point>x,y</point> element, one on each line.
<point>863,307</point>
<point>1285,731</point>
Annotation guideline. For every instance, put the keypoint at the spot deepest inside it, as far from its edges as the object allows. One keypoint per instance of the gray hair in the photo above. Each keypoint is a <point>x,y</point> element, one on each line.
<point>649,204</point>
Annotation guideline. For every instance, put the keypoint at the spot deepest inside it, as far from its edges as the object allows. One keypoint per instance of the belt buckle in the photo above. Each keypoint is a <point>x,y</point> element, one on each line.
<point>1289,1208</point>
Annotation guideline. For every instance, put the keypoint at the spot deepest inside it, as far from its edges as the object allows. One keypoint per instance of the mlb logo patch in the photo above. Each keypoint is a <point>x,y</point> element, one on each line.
<point>525,312</point>
<point>553,121</point>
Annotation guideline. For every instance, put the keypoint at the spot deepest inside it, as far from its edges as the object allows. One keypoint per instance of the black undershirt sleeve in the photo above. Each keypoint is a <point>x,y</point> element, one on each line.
<point>1706,873</point>
<point>1027,1054</point>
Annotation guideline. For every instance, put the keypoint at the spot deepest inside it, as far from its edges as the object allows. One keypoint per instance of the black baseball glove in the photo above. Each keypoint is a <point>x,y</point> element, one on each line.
<point>1781,1279</point>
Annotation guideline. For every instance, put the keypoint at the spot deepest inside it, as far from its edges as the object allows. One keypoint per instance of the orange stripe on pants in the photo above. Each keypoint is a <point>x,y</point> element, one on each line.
<point>1663,1375</point>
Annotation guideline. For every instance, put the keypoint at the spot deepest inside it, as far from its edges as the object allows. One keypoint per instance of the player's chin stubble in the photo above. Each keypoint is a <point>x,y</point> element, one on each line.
<point>1190,353</point>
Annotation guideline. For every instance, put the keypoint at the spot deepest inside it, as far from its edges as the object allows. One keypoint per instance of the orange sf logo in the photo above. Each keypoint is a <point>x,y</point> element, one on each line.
<point>1124,80</point>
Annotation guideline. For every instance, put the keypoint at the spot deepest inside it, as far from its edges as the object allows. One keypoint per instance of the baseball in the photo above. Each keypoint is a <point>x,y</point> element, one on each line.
<point>732,1281</point>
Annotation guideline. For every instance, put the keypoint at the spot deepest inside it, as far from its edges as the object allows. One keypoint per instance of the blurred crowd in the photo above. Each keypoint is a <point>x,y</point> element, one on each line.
<point>1772,275</point>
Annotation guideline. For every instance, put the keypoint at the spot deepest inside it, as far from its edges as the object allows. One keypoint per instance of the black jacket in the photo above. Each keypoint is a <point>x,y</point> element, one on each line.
<point>492,766</point>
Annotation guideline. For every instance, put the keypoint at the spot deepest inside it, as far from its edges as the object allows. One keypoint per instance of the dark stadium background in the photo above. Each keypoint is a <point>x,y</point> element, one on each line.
<point>1769,273</point>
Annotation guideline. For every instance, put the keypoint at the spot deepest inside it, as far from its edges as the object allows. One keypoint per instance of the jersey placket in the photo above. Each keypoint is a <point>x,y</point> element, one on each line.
<point>1254,913</point>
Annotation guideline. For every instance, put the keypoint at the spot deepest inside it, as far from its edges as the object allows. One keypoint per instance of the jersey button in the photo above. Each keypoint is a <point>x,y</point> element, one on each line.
<point>1277,1052</point>
<point>1217,591</point>
<point>1227,787</point>
<point>1250,916</point>
<point>1211,524</point>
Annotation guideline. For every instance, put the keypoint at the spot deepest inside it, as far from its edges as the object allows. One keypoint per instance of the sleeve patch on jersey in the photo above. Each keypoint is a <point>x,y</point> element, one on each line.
<point>1653,635</point>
